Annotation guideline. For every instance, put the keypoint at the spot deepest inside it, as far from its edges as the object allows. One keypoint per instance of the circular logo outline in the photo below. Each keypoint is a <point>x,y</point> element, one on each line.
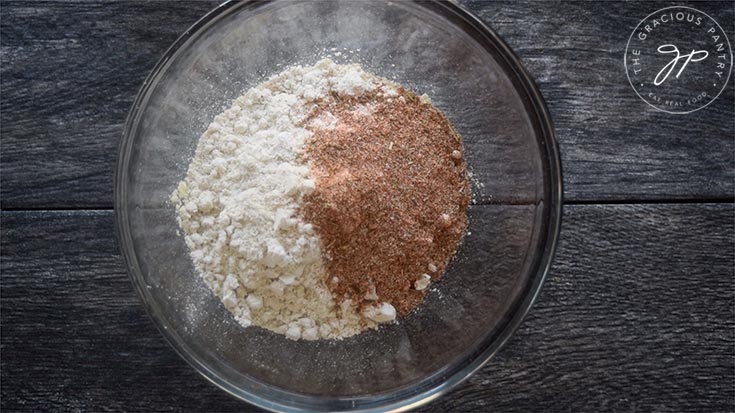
<point>625,59</point>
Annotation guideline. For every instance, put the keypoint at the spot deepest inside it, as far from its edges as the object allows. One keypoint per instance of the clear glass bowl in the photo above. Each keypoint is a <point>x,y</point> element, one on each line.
<point>430,47</point>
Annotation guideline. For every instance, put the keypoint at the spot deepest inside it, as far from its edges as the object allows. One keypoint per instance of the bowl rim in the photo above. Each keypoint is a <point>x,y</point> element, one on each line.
<point>538,271</point>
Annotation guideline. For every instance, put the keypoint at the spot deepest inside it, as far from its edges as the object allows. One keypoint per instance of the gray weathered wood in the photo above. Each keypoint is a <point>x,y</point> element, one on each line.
<point>70,71</point>
<point>613,146</point>
<point>637,315</point>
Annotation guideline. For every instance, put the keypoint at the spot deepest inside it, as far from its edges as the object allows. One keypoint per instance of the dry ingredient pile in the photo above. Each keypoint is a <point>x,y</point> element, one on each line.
<point>324,202</point>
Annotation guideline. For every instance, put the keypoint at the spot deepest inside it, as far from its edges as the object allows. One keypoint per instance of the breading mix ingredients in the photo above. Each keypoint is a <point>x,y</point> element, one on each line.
<point>324,202</point>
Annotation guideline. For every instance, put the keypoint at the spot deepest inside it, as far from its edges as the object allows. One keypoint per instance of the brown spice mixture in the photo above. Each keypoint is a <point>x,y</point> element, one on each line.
<point>391,195</point>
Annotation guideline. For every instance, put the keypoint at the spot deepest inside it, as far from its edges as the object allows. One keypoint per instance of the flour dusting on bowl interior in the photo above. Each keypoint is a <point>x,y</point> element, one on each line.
<point>324,202</point>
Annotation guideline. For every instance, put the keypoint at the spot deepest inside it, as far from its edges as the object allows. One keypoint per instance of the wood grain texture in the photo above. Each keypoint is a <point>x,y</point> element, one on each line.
<point>70,71</point>
<point>638,314</point>
<point>613,145</point>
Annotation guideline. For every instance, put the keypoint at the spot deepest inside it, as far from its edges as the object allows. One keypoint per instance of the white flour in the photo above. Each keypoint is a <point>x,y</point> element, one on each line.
<point>237,208</point>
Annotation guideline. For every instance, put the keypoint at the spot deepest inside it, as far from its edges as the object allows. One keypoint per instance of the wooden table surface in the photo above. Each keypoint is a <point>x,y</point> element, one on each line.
<point>637,314</point>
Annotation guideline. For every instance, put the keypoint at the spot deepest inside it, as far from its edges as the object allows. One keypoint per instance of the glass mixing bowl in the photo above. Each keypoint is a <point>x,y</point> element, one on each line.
<point>430,47</point>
